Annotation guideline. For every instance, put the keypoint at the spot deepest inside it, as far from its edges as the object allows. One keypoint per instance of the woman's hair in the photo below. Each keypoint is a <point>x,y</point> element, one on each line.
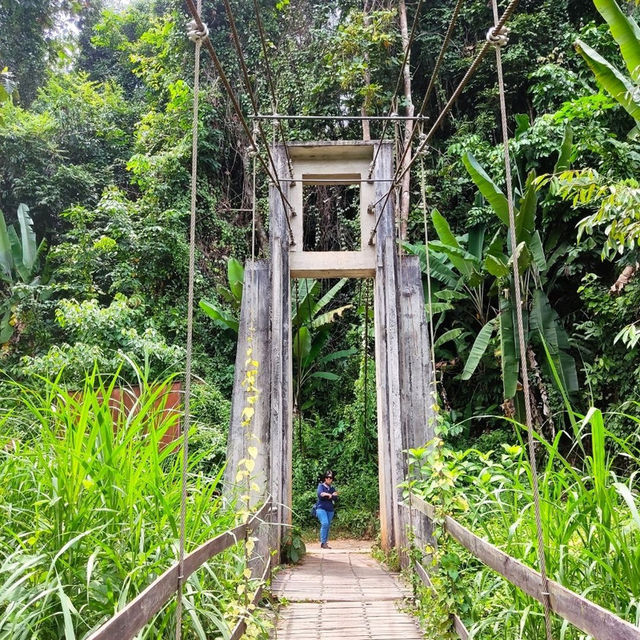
<point>328,474</point>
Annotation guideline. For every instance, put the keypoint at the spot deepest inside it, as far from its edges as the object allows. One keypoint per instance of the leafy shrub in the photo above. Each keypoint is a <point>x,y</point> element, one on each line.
<point>106,337</point>
<point>293,547</point>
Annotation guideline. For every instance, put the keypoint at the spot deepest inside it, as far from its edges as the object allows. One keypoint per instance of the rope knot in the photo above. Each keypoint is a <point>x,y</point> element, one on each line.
<point>498,37</point>
<point>195,34</point>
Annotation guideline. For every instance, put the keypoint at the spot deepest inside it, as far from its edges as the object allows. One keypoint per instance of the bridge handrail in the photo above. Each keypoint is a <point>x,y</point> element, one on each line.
<point>591,618</point>
<point>130,620</point>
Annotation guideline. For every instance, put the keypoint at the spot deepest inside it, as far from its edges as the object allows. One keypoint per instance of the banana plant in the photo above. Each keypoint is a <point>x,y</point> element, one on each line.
<point>231,294</point>
<point>19,265</point>
<point>484,267</point>
<point>493,265</point>
<point>311,328</point>
<point>623,88</point>
<point>310,324</point>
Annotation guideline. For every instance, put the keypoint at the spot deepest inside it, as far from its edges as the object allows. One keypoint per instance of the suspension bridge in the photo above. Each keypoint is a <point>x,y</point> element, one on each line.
<point>342,592</point>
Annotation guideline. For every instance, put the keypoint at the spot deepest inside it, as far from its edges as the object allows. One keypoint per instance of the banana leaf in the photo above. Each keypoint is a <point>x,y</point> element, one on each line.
<point>450,294</point>
<point>305,299</point>
<point>28,240</point>
<point>537,251</point>
<point>625,32</point>
<point>437,307</point>
<point>478,349</point>
<point>452,334</point>
<point>235,275</point>
<point>618,85</point>
<point>438,265</point>
<point>328,297</point>
<point>337,355</point>
<point>497,266</point>
<point>301,344</point>
<point>219,316</point>
<point>545,320</point>
<point>526,214</point>
<point>488,187</point>
<point>325,375</point>
<point>564,155</point>
<point>509,351</point>
<point>476,241</point>
<point>449,242</point>
<point>6,256</point>
<point>464,261</point>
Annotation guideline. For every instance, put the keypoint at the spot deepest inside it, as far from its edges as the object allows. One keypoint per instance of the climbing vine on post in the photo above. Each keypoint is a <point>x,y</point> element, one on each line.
<point>245,480</point>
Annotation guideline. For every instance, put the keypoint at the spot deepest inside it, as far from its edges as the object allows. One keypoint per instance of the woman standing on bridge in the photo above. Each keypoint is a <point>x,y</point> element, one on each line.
<point>325,506</point>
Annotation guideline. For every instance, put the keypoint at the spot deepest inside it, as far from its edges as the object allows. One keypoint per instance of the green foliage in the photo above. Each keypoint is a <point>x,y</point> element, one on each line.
<point>89,504</point>
<point>360,50</point>
<point>587,516</point>
<point>108,337</point>
<point>24,282</point>
<point>293,547</point>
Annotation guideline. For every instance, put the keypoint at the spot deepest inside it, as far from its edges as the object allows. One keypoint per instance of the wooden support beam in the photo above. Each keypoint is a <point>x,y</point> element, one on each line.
<point>416,375</point>
<point>416,382</point>
<point>387,356</point>
<point>333,264</point>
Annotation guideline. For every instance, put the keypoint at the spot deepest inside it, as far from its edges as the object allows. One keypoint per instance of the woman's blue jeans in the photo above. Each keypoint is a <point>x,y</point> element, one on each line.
<point>325,518</point>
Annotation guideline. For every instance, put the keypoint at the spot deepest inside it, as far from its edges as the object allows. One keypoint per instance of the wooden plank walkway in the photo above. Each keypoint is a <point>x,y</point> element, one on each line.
<point>342,593</point>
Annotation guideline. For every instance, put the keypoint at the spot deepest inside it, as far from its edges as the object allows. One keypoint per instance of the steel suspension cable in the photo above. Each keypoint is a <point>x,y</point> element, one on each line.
<point>521,337</point>
<point>236,106</point>
<point>400,172</point>
<point>398,81</point>
<point>270,82</point>
<point>197,36</point>
<point>247,81</point>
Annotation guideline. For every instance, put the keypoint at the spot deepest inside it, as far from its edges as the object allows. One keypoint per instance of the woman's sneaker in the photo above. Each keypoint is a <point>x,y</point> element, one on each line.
<point>324,545</point>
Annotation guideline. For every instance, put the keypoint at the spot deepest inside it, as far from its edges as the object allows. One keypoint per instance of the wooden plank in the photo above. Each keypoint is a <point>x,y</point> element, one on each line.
<point>393,381</point>
<point>591,618</point>
<point>416,375</point>
<point>130,620</point>
<point>386,445</point>
<point>415,371</point>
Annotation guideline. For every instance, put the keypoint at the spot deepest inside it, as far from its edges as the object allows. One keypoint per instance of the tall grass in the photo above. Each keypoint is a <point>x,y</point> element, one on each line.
<point>590,521</point>
<point>89,508</point>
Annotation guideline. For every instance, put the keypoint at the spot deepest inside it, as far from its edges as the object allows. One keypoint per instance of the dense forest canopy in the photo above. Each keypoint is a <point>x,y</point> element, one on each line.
<point>96,143</point>
<point>95,159</point>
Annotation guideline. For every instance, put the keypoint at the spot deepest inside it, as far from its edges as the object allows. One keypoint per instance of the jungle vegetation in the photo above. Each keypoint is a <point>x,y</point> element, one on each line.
<point>95,156</point>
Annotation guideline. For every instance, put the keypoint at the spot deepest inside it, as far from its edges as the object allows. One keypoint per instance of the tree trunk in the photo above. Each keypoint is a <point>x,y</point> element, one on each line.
<point>623,279</point>
<point>366,130</point>
<point>405,192</point>
<point>544,396</point>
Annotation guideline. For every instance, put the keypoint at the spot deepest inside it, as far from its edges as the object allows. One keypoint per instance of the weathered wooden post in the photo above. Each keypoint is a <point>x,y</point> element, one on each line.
<point>281,440</point>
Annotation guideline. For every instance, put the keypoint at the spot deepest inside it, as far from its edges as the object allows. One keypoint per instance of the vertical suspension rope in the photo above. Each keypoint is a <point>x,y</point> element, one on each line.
<point>196,36</point>
<point>366,359</point>
<point>498,36</point>
<point>432,337</point>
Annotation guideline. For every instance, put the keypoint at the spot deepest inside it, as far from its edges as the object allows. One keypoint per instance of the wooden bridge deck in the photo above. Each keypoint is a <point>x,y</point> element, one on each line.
<point>342,593</point>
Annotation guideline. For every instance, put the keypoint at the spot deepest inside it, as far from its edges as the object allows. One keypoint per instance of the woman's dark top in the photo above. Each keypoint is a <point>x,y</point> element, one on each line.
<point>325,503</point>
